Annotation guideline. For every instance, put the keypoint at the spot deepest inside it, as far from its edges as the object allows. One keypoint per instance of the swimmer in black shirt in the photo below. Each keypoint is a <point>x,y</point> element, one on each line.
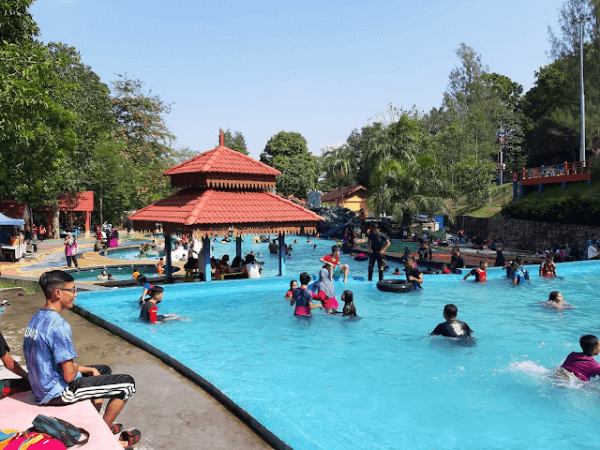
<point>452,327</point>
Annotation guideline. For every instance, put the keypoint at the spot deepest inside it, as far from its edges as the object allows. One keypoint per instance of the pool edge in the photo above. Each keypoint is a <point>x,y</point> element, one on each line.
<point>263,432</point>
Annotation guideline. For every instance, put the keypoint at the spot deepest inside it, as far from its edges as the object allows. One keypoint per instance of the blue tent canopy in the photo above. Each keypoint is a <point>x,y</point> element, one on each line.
<point>8,221</point>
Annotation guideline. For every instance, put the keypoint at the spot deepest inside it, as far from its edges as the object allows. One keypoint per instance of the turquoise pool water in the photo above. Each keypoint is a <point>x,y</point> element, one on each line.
<point>118,272</point>
<point>381,382</point>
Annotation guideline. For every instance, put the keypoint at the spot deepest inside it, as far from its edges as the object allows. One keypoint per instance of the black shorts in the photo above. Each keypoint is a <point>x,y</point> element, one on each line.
<point>87,387</point>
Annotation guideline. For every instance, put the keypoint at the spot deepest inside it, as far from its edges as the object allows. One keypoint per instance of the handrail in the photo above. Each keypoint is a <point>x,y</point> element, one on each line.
<point>567,168</point>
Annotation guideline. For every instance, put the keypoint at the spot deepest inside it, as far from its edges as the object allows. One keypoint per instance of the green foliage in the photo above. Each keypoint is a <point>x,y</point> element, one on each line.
<point>288,153</point>
<point>339,167</point>
<point>146,140</point>
<point>16,23</point>
<point>573,206</point>
<point>235,141</point>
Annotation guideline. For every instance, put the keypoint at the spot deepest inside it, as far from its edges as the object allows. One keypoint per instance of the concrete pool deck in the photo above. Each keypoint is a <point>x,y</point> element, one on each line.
<point>171,411</point>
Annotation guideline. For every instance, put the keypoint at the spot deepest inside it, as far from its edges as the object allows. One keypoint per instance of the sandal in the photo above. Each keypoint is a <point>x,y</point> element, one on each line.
<point>116,428</point>
<point>131,437</point>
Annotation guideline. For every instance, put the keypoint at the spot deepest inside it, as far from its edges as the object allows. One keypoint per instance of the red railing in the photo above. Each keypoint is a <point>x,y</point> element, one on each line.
<point>556,170</point>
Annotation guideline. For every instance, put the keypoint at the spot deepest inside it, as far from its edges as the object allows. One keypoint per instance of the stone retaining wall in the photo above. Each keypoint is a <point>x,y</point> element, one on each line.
<point>526,234</point>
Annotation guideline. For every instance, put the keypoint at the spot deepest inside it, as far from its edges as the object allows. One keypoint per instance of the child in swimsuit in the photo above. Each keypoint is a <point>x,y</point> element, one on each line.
<point>143,281</point>
<point>149,312</point>
<point>547,268</point>
<point>583,365</point>
<point>480,272</point>
<point>445,269</point>
<point>555,300</point>
<point>303,298</point>
<point>290,293</point>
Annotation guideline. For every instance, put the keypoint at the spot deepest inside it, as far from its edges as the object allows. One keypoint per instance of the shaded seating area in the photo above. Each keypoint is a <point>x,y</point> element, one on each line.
<point>224,193</point>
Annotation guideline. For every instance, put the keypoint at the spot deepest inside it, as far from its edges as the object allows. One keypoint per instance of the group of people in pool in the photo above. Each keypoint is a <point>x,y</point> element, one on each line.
<point>306,296</point>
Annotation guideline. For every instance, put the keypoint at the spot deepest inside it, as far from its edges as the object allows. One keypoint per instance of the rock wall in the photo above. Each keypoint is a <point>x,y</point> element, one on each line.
<point>525,234</point>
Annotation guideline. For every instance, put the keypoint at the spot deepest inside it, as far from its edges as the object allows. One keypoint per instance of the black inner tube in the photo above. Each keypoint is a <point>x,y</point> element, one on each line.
<point>397,285</point>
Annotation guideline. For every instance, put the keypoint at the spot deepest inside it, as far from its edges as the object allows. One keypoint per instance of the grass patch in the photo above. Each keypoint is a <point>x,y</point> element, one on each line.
<point>4,285</point>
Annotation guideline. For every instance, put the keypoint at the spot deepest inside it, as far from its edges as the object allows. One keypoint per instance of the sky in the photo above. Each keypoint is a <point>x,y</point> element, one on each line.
<point>319,68</point>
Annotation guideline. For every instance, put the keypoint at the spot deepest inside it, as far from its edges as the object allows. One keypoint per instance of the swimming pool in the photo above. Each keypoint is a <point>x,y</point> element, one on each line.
<point>381,382</point>
<point>118,272</point>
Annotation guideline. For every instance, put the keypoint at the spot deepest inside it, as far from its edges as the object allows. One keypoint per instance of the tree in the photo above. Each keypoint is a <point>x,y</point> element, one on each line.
<point>339,166</point>
<point>145,137</point>
<point>288,153</point>
<point>17,24</point>
<point>235,141</point>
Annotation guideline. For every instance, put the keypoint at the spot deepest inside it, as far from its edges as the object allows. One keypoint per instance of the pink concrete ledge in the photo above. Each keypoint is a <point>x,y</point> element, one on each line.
<point>18,411</point>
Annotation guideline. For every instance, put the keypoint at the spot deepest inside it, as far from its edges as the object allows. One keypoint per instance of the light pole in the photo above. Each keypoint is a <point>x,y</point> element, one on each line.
<point>580,21</point>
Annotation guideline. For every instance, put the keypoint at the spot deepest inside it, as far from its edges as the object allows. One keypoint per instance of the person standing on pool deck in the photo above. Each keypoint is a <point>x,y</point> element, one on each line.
<point>413,274</point>
<point>480,272</point>
<point>333,261</point>
<point>583,365</point>
<point>48,347</point>
<point>452,327</point>
<point>71,250</point>
<point>456,261</point>
<point>378,244</point>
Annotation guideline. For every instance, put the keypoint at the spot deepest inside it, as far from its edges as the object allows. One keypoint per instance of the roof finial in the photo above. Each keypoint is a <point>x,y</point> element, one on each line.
<point>221,138</point>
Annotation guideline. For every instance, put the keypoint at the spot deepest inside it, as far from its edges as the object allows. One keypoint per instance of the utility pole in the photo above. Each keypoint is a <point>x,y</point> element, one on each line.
<point>581,21</point>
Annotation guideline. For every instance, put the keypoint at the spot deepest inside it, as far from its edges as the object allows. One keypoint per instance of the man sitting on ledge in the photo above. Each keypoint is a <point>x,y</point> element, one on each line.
<point>48,347</point>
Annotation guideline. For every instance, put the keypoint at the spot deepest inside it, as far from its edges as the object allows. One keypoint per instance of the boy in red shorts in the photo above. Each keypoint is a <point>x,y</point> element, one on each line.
<point>333,260</point>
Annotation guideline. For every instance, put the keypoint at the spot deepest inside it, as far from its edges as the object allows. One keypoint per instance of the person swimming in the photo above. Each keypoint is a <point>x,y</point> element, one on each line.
<point>555,300</point>
<point>452,327</point>
<point>149,312</point>
<point>583,365</point>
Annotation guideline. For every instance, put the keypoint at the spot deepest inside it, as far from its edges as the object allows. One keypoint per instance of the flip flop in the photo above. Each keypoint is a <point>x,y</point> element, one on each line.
<point>131,437</point>
<point>116,428</point>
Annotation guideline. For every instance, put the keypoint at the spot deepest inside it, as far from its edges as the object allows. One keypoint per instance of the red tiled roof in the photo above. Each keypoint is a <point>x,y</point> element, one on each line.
<point>222,167</point>
<point>13,209</point>
<point>336,195</point>
<point>81,201</point>
<point>222,160</point>
<point>208,209</point>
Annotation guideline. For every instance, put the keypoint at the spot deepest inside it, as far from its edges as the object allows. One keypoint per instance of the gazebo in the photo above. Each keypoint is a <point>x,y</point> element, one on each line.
<point>223,192</point>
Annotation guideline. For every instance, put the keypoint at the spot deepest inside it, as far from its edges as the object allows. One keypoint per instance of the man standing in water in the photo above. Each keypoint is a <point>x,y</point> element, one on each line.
<point>378,244</point>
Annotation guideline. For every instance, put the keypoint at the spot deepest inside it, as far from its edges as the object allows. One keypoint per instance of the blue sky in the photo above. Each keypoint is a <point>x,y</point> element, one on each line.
<point>318,68</point>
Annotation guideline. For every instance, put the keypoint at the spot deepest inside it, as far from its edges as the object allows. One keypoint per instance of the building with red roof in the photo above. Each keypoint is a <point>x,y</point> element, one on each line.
<point>223,192</point>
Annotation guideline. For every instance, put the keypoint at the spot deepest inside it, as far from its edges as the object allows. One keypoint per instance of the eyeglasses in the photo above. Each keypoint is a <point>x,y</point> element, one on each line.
<point>73,290</point>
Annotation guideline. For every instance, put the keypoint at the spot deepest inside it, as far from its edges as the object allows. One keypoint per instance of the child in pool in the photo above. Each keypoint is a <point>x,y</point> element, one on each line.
<point>160,266</point>
<point>349,308</point>
<point>583,365</point>
<point>110,277</point>
<point>547,268</point>
<point>326,294</point>
<point>519,274</point>
<point>303,298</point>
<point>480,272</point>
<point>555,300</point>
<point>103,275</point>
<point>396,271</point>
<point>143,281</point>
<point>135,273</point>
<point>290,293</point>
<point>445,269</point>
<point>149,312</point>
